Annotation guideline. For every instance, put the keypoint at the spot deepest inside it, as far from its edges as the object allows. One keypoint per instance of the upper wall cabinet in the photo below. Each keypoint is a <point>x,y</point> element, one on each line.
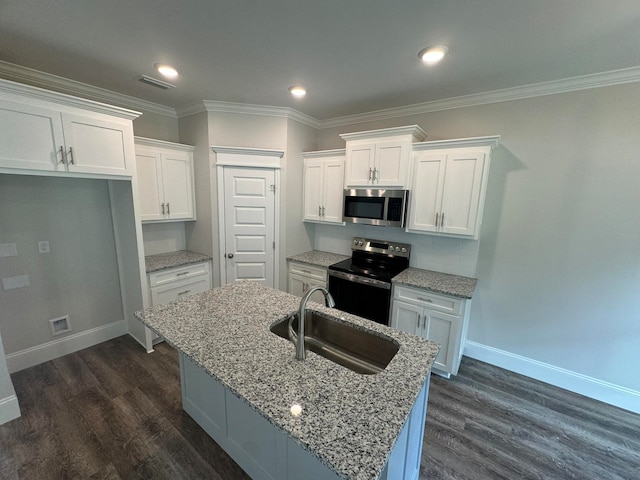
<point>449,185</point>
<point>380,157</point>
<point>165,180</point>
<point>323,181</point>
<point>57,134</point>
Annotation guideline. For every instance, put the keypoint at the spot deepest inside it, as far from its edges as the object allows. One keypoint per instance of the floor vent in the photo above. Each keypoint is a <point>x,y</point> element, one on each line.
<point>155,82</point>
<point>60,325</point>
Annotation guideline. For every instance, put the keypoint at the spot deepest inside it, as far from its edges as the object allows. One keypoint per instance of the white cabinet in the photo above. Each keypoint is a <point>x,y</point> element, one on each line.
<point>323,186</point>
<point>168,285</point>
<point>448,186</point>
<point>165,180</point>
<point>436,317</point>
<point>37,134</point>
<point>380,157</point>
<point>302,277</point>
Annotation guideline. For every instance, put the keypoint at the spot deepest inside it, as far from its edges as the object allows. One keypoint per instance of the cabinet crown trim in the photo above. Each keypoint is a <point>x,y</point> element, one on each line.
<point>325,153</point>
<point>413,130</point>
<point>152,142</point>
<point>488,141</point>
<point>65,100</point>
<point>248,151</point>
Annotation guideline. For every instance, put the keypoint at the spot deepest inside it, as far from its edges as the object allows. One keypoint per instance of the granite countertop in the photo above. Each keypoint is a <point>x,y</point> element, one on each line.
<point>318,258</point>
<point>163,261</point>
<point>437,282</point>
<point>349,422</point>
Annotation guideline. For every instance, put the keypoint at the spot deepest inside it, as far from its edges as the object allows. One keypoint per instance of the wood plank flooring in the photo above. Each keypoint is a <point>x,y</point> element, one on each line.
<point>114,412</point>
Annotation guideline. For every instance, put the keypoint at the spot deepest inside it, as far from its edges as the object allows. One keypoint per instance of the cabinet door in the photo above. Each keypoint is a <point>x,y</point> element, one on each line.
<point>333,191</point>
<point>391,160</point>
<point>312,190</point>
<point>149,176</point>
<point>30,137</point>
<point>177,180</point>
<point>444,329</point>
<point>173,291</point>
<point>406,317</point>
<point>299,285</point>
<point>98,146</point>
<point>359,164</point>
<point>461,195</point>
<point>425,200</point>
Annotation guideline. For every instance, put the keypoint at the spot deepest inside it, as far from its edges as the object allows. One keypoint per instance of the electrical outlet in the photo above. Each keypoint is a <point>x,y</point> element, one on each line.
<point>8,250</point>
<point>43,246</point>
<point>18,281</point>
<point>59,325</point>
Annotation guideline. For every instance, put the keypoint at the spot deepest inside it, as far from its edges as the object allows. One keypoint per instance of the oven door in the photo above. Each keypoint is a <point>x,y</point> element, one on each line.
<point>361,296</point>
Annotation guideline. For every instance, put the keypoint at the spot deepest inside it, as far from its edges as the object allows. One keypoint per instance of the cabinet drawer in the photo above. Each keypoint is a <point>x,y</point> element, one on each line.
<point>309,271</point>
<point>173,291</point>
<point>181,273</point>
<point>442,303</point>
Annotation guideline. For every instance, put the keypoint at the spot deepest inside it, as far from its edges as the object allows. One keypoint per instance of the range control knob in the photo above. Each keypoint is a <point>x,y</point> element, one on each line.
<point>355,242</point>
<point>359,243</point>
<point>397,249</point>
<point>404,250</point>
<point>391,248</point>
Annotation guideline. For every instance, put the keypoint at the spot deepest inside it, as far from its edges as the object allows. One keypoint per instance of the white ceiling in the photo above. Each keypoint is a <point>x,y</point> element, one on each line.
<point>354,56</point>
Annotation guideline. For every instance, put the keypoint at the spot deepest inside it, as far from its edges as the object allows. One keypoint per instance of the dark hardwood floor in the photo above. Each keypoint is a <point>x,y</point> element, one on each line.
<point>114,412</point>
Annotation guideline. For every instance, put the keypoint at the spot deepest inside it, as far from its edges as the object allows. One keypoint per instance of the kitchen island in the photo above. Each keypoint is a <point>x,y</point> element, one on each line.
<point>329,421</point>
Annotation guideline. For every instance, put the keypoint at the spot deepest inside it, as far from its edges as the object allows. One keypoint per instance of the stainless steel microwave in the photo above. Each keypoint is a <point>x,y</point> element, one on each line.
<point>381,207</point>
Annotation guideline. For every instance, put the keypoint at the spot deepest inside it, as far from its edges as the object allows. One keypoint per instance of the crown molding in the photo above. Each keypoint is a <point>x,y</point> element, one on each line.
<point>596,80</point>
<point>248,109</point>
<point>264,152</point>
<point>18,73</point>
<point>414,130</point>
<point>38,93</point>
<point>338,152</point>
<point>152,142</point>
<point>489,141</point>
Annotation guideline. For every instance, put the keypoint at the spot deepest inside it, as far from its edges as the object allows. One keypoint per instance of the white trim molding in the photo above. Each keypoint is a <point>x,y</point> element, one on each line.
<point>489,141</point>
<point>596,80</point>
<point>574,382</point>
<point>247,157</point>
<point>32,356</point>
<point>18,73</point>
<point>247,109</point>
<point>9,408</point>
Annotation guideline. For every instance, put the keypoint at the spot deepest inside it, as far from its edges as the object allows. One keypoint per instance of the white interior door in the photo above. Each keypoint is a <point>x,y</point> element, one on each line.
<point>249,222</point>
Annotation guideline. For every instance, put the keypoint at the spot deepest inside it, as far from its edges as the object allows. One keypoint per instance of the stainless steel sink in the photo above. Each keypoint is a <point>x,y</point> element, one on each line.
<point>355,349</point>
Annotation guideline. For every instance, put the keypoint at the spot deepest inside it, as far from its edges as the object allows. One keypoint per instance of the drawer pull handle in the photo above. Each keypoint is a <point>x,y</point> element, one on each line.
<point>184,293</point>
<point>181,273</point>
<point>428,300</point>
<point>305,271</point>
<point>62,155</point>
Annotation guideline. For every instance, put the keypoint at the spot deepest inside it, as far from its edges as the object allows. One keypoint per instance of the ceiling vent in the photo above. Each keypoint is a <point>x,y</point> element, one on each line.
<point>155,82</point>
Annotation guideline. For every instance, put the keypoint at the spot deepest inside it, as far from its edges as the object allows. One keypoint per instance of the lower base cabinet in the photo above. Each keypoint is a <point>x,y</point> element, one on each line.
<point>440,318</point>
<point>303,277</point>
<point>267,453</point>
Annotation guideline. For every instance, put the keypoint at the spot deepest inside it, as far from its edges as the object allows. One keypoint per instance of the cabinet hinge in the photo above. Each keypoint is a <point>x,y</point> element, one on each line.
<point>272,187</point>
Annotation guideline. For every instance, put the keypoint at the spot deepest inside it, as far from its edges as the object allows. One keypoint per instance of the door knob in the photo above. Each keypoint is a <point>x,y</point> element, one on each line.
<point>229,255</point>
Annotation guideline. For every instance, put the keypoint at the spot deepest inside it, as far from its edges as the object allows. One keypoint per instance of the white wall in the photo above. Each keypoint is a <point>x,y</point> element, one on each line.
<point>558,263</point>
<point>163,237</point>
<point>79,277</point>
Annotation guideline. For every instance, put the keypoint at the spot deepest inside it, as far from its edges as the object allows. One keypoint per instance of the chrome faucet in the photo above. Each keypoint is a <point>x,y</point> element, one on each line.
<point>298,338</point>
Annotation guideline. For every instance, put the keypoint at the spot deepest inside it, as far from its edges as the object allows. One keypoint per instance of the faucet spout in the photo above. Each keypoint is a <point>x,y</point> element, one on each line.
<point>298,337</point>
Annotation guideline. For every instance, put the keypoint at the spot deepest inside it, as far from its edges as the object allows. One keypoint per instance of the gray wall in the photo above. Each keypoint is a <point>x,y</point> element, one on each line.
<point>154,125</point>
<point>559,257</point>
<point>79,277</point>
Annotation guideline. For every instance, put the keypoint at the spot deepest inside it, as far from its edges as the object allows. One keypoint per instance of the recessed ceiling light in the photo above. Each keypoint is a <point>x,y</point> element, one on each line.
<point>166,70</point>
<point>297,91</point>
<point>431,55</point>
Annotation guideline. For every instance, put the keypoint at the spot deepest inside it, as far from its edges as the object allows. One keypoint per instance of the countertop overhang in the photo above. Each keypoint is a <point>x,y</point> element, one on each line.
<point>349,421</point>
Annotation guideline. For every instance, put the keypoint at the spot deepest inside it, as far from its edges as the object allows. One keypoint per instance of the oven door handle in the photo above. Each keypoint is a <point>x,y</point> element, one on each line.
<point>358,279</point>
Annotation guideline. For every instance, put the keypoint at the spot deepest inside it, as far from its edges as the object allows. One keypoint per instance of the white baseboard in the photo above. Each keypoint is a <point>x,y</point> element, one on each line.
<point>9,409</point>
<point>57,348</point>
<point>575,382</point>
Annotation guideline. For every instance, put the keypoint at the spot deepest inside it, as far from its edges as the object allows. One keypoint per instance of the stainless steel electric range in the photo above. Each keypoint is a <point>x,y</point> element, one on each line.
<point>362,284</point>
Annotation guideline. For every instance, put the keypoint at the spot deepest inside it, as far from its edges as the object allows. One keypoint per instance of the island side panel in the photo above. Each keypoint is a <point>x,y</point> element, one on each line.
<point>404,460</point>
<point>262,450</point>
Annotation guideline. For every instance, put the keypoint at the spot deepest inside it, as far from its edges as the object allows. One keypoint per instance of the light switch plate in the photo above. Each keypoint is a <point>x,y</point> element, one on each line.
<point>43,246</point>
<point>8,250</point>
<point>19,281</point>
